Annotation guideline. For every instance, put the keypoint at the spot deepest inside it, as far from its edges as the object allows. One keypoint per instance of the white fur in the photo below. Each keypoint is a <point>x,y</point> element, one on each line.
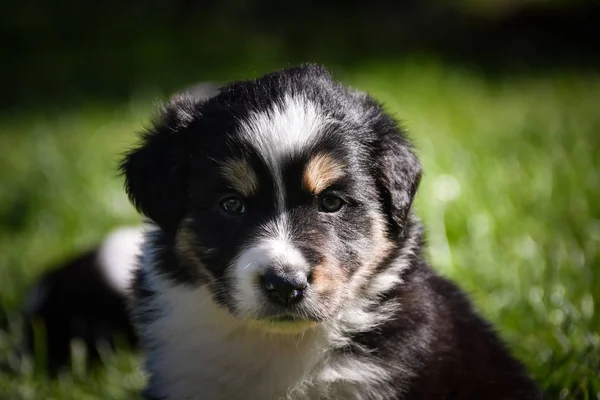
<point>197,350</point>
<point>117,256</point>
<point>274,249</point>
<point>276,133</point>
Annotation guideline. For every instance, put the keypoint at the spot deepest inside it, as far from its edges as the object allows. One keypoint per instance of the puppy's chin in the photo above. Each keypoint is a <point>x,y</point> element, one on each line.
<point>282,325</point>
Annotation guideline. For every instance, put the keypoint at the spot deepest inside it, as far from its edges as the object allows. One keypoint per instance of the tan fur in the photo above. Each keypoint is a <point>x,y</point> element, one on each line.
<point>327,278</point>
<point>381,248</point>
<point>320,172</point>
<point>241,176</point>
<point>185,242</point>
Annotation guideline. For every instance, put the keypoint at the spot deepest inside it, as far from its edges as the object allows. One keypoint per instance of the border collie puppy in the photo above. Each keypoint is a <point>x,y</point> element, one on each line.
<point>84,298</point>
<point>286,262</point>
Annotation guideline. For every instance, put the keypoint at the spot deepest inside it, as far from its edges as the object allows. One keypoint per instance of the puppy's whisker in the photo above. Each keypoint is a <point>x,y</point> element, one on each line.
<point>218,162</point>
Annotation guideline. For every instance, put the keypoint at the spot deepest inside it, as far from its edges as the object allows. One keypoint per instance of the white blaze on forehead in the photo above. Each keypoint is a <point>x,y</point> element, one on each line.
<point>274,249</point>
<point>287,127</point>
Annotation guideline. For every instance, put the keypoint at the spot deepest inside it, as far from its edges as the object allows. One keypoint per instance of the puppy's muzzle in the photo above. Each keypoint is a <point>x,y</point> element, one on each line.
<point>284,288</point>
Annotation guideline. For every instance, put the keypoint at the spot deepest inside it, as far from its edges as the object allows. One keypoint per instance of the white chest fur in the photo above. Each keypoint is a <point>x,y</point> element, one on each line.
<point>199,351</point>
<point>196,350</point>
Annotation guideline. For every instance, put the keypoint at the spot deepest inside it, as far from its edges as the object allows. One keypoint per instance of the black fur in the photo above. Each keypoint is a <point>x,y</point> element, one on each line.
<point>75,301</point>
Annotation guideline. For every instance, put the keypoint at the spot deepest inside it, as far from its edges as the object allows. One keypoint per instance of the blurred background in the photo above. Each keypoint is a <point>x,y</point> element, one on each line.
<point>501,97</point>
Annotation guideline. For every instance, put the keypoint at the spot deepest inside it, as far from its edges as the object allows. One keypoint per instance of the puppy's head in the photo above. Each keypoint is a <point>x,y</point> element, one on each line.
<point>285,195</point>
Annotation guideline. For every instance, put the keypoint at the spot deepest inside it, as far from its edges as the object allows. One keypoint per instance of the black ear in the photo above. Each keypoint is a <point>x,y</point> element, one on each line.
<point>399,176</point>
<point>156,172</point>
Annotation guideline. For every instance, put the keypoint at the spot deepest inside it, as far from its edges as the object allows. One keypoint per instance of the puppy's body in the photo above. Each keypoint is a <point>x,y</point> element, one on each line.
<point>84,298</point>
<point>286,262</point>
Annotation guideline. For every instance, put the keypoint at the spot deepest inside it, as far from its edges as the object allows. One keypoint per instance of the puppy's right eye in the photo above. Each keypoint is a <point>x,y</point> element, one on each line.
<point>331,203</point>
<point>233,205</point>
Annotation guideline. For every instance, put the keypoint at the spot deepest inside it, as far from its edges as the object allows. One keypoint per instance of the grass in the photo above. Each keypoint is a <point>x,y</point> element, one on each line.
<point>510,198</point>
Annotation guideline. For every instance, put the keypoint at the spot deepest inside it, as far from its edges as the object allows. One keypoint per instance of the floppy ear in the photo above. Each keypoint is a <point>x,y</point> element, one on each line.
<point>156,172</point>
<point>399,177</point>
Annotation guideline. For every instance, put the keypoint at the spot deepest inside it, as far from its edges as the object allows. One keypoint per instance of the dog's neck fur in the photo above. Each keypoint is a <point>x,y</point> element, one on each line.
<point>198,350</point>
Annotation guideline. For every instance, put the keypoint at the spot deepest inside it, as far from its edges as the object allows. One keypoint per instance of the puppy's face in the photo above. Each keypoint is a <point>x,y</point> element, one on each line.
<point>285,196</point>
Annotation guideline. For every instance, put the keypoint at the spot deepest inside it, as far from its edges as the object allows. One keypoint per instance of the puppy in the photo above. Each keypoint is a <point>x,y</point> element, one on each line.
<point>286,262</point>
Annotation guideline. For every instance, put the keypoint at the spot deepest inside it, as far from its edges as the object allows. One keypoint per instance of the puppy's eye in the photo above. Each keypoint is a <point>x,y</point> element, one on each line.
<point>233,205</point>
<point>330,203</point>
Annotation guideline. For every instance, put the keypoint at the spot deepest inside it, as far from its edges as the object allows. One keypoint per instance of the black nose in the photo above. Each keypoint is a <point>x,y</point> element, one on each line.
<point>284,288</point>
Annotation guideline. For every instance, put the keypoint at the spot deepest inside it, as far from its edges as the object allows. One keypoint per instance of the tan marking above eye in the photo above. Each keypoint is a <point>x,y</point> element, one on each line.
<point>320,172</point>
<point>241,176</point>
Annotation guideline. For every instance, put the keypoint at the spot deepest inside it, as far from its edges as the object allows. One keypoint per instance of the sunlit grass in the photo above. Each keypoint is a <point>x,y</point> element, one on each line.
<point>510,198</point>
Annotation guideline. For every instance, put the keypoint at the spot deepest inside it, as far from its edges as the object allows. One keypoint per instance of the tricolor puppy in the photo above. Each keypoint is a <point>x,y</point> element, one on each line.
<point>286,262</point>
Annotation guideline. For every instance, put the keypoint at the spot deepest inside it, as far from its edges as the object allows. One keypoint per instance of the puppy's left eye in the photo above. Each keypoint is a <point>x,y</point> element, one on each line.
<point>330,203</point>
<point>233,205</point>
